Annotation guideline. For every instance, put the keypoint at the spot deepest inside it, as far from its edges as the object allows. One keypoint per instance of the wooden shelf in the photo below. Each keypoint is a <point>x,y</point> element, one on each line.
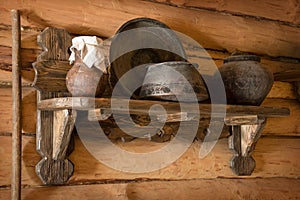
<point>142,107</point>
<point>57,114</point>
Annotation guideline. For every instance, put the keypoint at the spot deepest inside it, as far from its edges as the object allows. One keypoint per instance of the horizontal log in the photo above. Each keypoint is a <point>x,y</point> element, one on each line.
<point>28,110</point>
<point>29,54</point>
<point>282,90</point>
<point>274,157</point>
<point>101,191</point>
<point>290,75</point>
<point>6,78</point>
<point>283,11</point>
<point>211,29</point>
<point>285,125</point>
<point>154,190</point>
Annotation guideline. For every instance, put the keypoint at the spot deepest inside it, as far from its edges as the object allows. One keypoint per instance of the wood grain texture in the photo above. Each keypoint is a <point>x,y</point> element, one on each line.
<point>266,31</point>
<point>212,29</point>
<point>6,77</point>
<point>284,11</point>
<point>142,107</point>
<point>30,50</point>
<point>284,125</point>
<point>215,189</point>
<point>275,126</point>
<point>16,106</point>
<point>290,75</point>
<point>154,190</point>
<point>275,157</point>
<point>282,90</point>
<point>28,55</point>
<point>51,171</point>
<point>28,110</point>
<point>244,139</point>
<point>51,75</point>
<point>55,43</point>
<point>297,89</point>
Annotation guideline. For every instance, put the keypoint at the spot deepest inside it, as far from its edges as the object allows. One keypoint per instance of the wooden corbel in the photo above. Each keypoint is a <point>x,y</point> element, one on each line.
<point>54,128</point>
<point>245,132</point>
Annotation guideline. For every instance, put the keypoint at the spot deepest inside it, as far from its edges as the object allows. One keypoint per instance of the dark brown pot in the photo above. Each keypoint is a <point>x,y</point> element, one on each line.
<point>246,81</point>
<point>84,81</point>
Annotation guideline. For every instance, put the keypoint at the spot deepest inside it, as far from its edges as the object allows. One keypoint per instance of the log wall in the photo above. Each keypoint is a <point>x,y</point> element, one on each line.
<point>267,28</point>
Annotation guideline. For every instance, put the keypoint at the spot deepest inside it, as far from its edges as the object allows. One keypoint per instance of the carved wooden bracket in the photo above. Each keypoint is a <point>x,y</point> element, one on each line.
<point>245,132</point>
<point>54,128</point>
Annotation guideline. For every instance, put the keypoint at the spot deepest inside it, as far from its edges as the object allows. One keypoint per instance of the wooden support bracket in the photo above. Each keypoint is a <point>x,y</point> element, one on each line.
<point>54,128</point>
<point>53,143</point>
<point>245,132</point>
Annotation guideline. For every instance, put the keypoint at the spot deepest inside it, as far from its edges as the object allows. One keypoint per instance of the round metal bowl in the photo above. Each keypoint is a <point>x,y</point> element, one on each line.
<point>173,81</point>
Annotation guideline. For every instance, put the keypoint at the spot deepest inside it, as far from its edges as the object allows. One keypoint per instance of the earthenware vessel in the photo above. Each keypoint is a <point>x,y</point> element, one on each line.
<point>84,81</point>
<point>246,80</point>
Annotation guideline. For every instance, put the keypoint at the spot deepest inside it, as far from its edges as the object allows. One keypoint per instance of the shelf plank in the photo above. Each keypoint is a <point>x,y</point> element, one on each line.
<point>287,126</point>
<point>142,107</point>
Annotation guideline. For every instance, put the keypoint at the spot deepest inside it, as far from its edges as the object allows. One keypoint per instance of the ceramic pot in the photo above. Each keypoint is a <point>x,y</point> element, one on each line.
<point>174,81</point>
<point>82,81</point>
<point>246,80</point>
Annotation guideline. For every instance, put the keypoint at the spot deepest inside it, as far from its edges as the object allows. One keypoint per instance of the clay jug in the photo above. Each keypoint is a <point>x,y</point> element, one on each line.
<point>83,81</point>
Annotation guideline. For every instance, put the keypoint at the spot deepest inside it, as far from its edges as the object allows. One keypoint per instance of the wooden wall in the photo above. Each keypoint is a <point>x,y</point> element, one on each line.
<point>269,28</point>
